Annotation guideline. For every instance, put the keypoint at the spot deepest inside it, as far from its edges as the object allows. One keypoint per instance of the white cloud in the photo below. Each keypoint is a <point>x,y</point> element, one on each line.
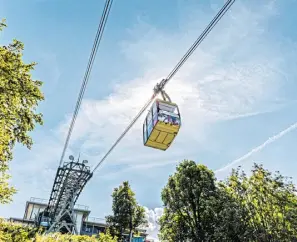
<point>153,216</point>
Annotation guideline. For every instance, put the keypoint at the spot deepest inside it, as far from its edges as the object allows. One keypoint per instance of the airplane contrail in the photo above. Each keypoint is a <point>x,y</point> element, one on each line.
<point>260,147</point>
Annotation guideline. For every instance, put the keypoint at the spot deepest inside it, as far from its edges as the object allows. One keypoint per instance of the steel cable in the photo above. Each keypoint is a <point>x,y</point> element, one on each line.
<point>98,37</point>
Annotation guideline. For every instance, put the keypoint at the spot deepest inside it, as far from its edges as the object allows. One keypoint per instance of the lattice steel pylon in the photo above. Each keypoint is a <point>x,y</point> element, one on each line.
<point>70,180</point>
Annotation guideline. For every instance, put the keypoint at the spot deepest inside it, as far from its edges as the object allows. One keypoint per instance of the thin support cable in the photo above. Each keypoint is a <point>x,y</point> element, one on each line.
<point>206,31</point>
<point>125,131</point>
<point>98,37</point>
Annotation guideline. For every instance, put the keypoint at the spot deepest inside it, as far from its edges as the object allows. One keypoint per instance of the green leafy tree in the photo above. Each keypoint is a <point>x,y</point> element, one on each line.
<point>231,223</point>
<point>19,97</point>
<point>189,199</point>
<point>127,214</point>
<point>197,208</point>
<point>269,202</point>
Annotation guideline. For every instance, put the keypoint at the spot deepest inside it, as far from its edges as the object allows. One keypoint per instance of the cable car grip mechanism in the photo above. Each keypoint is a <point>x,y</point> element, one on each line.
<point>159,89</point>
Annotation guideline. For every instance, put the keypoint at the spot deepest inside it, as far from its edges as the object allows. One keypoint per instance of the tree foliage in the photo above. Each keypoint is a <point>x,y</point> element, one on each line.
<point>11,232</point>
<point>261,207</point>
<point>16,232</point>
<point>19,98</point>
<point>269,202</point>
<point>127,214</point>
<point>190,199</point>
<point>57,237</point>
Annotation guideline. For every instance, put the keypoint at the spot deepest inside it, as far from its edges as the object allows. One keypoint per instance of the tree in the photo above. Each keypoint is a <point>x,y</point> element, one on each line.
<point>189,198</point>
<point>19,97</point>
<point>127,214</point>
<point>231,222</point>
<point>269,202</point>
<point>197,208</point>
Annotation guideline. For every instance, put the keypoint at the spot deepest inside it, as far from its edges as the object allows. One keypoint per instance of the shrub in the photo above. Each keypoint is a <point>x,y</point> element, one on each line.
<point>11,232</point>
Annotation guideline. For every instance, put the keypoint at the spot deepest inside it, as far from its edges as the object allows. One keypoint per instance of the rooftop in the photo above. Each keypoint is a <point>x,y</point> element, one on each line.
<point>42,201</point>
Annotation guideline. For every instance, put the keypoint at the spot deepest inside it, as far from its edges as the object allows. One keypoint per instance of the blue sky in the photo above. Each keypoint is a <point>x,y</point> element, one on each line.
<point>236,91</point>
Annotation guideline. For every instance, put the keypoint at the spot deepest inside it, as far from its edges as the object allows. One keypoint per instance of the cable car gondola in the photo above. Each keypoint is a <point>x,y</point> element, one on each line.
<point>162,124</point>
<point>42,219</point>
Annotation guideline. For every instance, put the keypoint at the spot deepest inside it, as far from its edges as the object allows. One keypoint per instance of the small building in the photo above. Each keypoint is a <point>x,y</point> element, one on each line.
<point>93,225</point>
<point>36,205</point>
<point>85,224</point>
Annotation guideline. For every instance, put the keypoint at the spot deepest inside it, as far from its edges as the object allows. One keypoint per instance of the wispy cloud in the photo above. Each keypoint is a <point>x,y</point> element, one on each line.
<point>260,147</point>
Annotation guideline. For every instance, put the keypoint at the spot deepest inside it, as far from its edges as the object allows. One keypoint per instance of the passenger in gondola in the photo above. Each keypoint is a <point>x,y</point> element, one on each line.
<point>175,121</point>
